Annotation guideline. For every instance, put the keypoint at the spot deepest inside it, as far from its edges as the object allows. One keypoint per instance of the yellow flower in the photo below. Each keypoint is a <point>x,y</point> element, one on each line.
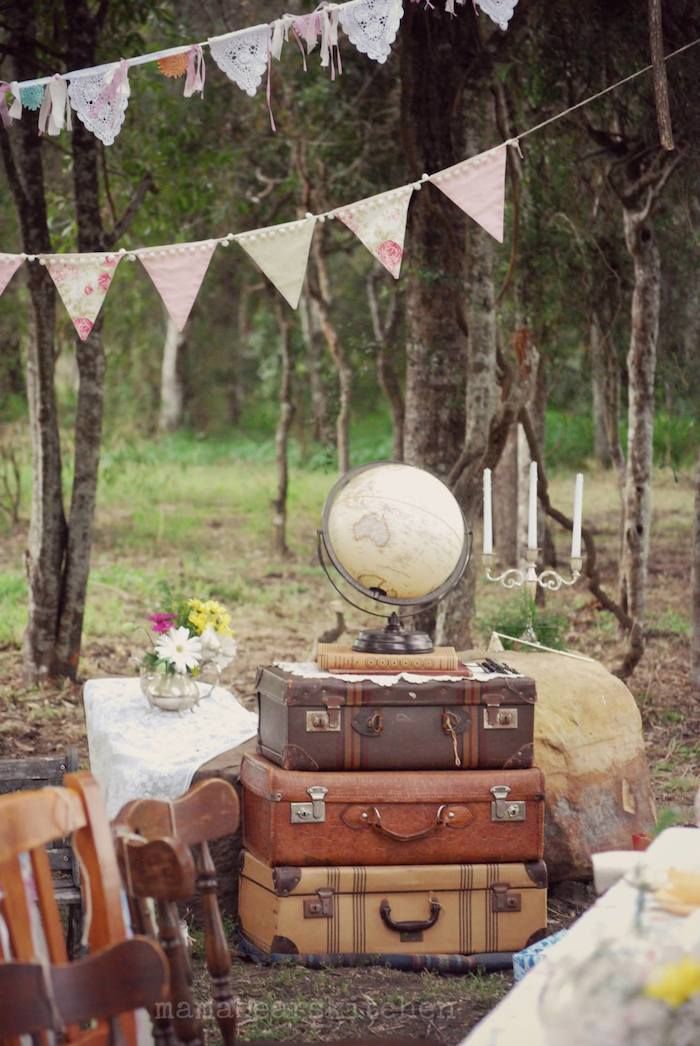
<point>676,982</point>
<point>198,620</point>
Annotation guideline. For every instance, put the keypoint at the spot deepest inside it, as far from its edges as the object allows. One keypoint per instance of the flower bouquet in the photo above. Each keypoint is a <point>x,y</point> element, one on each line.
<point>191,638</point>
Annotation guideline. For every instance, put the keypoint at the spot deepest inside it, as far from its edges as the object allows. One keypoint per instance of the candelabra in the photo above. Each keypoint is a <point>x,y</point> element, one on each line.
<point>529,576</point>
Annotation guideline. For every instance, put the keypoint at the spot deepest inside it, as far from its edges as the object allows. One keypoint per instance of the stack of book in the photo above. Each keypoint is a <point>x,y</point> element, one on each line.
<point>392,810</point>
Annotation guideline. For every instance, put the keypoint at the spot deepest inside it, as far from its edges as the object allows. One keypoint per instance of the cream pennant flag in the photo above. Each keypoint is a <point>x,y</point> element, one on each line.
<point>282,252</point>
<point>82,280</point>
<point>9,264</point>
<point>177,271</point>
<point>477,186</point>
<point>380,223</point>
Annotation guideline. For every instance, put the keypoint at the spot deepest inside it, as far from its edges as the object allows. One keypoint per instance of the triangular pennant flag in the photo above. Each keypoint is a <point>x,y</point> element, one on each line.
<point>380,223</point>
<point>177,272</point>
<point>9,264</point>
<point>477,186</point>
<point>282,252</point>
<point>82,280</point>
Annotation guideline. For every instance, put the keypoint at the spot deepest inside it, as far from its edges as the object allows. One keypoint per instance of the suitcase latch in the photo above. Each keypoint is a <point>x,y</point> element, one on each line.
<point>503,899</point>
<point>312,812</point>
<point>319,907</point>
<point>327,721</point>
<point>496,718</point>
<point>503,809</point>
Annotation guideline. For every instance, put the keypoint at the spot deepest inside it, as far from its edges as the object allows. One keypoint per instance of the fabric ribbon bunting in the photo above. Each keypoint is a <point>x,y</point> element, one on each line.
<point>330,48</point>
<point>5,113</point>
<point>177,271</point>
<point>55,112</point>
<point>196,72</point>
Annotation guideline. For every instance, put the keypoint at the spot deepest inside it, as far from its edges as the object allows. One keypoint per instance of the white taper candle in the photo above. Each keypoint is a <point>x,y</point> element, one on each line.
<point>488,517</point>
<point>532,514</point>
<point>578,509</point>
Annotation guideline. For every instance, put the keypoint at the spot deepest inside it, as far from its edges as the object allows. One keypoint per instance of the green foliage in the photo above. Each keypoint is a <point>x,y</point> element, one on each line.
<point>518,614</point>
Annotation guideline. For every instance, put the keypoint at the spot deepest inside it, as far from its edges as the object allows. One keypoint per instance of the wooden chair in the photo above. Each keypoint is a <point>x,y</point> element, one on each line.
<point>207,812</point>
<point>41,997</point>
<point>30,820</point>
<point>38,772</point>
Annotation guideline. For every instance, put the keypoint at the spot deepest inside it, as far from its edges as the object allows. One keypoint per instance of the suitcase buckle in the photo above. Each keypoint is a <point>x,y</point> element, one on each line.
<point>313,812</point>
<point>496,718</point>
<point>327,721</point>
<point>504,810</point>
<point>503,899</point>
<point>321,906</point>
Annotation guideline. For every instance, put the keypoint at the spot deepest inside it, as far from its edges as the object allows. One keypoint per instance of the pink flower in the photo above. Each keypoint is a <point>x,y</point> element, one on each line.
<point>83,326</point>
<point>104,280</point>
<point>390,255</point>
<point>162,622</point>
<point>111,261</point>
<point>88,289</point>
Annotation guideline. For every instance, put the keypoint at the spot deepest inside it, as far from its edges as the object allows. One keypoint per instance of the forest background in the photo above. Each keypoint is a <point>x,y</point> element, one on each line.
<point>142,459</point>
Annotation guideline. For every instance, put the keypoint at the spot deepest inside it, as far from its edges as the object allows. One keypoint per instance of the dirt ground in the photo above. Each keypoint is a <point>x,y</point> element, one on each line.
<point>287,607</point>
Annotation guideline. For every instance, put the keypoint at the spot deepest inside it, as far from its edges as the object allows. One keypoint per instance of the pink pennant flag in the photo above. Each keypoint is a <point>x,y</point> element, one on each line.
<point>177,272</point>
<point>477,186</point>
<point>9,264</point>
<point>380,223</point>
<point>82,280</point>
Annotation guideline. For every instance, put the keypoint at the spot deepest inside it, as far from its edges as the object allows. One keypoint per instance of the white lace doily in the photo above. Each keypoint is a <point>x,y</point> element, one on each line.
<point>139,752</point>
<point>500,11</point>
<point>310,670</point>
<point>104,120</point>
<point>372,25</point>
<point>243,56</point>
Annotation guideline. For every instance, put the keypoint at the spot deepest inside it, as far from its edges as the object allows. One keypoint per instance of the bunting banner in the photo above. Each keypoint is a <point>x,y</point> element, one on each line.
<point>379,222</point>
<point>177,271</point>
<point>9,264</point>
<point>82,280</point>
<point>282,253</point>
<point>100,95</point>
<point>478,186</point>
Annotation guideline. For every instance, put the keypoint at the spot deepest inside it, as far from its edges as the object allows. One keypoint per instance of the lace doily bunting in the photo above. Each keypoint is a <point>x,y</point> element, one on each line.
<point>101,110</point>
<point>372,25</point>
<point>243,56</point>
<point>174,65</point>
<point>499,11</point>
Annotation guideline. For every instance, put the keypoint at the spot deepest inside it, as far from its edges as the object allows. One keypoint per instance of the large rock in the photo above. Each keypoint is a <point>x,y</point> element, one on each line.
<point>589,745</point>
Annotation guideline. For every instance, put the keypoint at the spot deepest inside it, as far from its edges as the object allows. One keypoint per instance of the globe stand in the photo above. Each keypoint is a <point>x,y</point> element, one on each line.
<point>392,639</point>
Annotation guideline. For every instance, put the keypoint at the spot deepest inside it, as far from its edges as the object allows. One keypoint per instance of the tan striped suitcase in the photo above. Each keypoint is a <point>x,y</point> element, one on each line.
<point>392,910</point>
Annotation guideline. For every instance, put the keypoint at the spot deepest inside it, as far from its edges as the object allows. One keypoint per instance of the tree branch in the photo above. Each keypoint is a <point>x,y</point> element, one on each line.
<point>146,185</point>
<point>663,109</point>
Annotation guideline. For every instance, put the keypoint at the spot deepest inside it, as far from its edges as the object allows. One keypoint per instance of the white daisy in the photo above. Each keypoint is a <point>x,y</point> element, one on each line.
<point>216,648</point>
<point>178,646</point>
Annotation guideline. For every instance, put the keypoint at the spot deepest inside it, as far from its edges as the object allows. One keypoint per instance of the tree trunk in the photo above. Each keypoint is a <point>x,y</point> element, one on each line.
<point>284,423</point>
<point>47,527</point>
<point>695,642</point>
<point>601,445</point>
<point>641,367</point>
<point>434,51</point>
<point>384,328</point>
<point>171,392</point>
<point>311,332</point>
<point>322,296</point>
<point>605,379</point>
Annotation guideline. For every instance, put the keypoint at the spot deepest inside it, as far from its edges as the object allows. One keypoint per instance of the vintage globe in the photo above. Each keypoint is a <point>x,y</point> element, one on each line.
<point>396,532</point>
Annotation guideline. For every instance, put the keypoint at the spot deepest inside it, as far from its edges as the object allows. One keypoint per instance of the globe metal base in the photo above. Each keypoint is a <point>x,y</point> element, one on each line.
<point>392,640</point>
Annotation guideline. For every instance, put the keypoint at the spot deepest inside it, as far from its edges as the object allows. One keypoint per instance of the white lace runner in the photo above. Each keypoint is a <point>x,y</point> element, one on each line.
<point>140,752</point>
<point>310,670</point>
<point>243,56</point>
<point>101,112</point>
<point>372,25</point>
<point>500,11</point>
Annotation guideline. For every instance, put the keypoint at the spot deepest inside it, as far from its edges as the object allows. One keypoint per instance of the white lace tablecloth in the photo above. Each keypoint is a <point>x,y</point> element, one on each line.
<point>517,1020</point>
<point>310,670</point>
<point>140,752</point>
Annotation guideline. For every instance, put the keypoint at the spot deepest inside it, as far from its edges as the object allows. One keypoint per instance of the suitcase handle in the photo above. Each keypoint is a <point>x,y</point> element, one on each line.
<point>410,925</point>
<point>374,820</point>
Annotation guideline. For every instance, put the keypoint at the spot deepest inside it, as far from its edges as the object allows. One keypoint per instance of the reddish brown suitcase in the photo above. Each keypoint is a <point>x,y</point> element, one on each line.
<point>325,723</point>
<point>293,817</point>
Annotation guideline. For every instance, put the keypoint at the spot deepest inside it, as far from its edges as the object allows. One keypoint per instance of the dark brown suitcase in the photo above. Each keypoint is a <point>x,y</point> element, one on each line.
<point>441,724</point>
<point>294,817</point>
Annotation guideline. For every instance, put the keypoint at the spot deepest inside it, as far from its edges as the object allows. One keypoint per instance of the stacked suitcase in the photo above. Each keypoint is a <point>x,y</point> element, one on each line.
<point>400,820</point>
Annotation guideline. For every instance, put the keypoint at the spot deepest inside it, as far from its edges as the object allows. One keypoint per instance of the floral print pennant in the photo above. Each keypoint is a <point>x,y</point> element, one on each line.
<point>380,223</point>
<point>82,280</point>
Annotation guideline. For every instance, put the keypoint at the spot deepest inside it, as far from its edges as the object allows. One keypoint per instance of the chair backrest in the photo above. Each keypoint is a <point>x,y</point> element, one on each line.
<point>28,821</point>
<point>39,997</point>
<point>208,811</point>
